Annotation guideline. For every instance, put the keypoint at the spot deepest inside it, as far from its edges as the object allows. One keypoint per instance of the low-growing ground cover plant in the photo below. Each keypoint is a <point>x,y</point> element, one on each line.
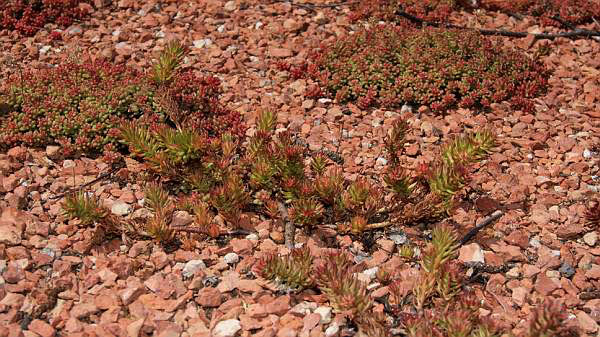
<point>82,104</point>
<point>77,105</point>
<point>571,11</point>
<point>270,171</point>
<point>29,16</point>
<point>437,303</point>
<point>386,65</point>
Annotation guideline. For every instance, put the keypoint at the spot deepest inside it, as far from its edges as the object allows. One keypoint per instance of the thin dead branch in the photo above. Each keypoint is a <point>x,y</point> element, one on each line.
<point>311,6</point>
<point>289,226</point>
<point>478,227</point>
<point>89,183</point>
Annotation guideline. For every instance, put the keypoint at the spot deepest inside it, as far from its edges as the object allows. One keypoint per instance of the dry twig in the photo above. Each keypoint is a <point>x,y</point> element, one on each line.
<point>491,218</point>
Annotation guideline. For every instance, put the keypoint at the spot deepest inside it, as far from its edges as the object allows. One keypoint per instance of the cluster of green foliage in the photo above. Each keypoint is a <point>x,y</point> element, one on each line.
<point>438,304</point>
<point>172,120</point>
<point>82,105</point>
<point>388,66</point>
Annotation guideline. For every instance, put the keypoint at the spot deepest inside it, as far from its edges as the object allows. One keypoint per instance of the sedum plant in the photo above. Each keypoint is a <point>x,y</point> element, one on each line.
<point>293,270</point>
<point>82,105</point>
<point>439,68</point>
<point>77,105</point>
<point>84,206</point>
<point>29,16</point>
<point>273,172</point>
<point>159,225</point>
<point>549,319</point>
<point>88,208</point>
<point>448,173</point>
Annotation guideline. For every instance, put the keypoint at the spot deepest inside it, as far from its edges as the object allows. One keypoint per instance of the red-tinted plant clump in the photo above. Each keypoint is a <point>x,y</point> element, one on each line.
<point>82,105</point>
<point>77,105</point>
<point>29,16</point>
<point>389,66</point>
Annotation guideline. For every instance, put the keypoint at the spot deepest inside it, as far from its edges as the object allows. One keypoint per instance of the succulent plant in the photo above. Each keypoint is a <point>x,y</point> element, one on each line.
<point>439,68</point>
<point>293,270</point>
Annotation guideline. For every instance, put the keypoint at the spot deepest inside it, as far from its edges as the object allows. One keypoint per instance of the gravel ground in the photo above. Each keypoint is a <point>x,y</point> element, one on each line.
<point>544,171</point>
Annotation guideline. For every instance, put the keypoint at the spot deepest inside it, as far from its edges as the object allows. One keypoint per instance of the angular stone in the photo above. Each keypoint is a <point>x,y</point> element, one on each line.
<point>325,313</point>
<point>209,298</point>
<point>227,328</point>
<point>545,285</point>
<point>131,293</point>
<point>587,323</point>
<point>280,52</point>
<point>120,208</point>
<point>230,6</point>
<point>590,239</point>
<point>42,328</point>
<point>242,246</point>
<point>519,294</point>
<point>133,329</point>
<point>193,266</point>
<point>231,258</point>
<point>471,253</point>
<point>10,234</point>
<point>279,306</point>
<point>83,310</point>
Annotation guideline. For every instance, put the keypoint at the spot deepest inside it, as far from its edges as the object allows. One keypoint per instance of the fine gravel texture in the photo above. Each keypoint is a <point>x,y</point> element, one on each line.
<point>542,174</point>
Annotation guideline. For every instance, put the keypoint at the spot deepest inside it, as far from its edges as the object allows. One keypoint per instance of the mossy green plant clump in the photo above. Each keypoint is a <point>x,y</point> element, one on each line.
<point>388,66</point>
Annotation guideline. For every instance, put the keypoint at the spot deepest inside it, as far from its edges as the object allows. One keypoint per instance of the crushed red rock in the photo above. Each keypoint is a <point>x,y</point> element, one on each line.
<point>546,167</point>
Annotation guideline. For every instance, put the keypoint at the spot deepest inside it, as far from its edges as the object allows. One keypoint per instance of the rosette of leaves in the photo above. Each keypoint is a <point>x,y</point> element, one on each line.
<point>346,293</point>
<point>293,270</point>
<point>84,206</point>
<point>88,208</point>
<point>306,211</point>
<point>550,319</point>
<point>159,225</point>
<point>457,317</point>
<point>438,276</point>
<point>448,173</point>
<point>362,198</point>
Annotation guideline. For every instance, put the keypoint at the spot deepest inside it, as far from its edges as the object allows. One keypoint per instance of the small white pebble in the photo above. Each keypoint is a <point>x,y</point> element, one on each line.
<point>252,237</point>
<point>332,330</point>
<point>535,243</point>
<point>590,239</point>
<point>325,313</point>
<point>231,258</point>
<point>381,161</point>
<point>370,273</point>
